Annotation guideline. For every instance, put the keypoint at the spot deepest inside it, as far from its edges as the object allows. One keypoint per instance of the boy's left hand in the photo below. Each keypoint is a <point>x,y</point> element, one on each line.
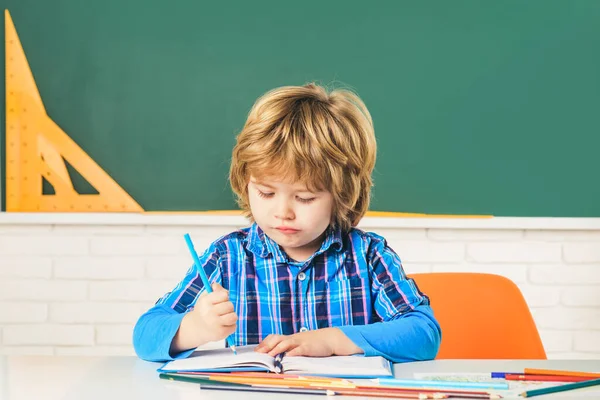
<point>318,343</point>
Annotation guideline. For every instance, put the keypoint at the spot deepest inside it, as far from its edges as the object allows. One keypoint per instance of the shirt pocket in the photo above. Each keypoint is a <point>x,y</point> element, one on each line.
<point>346,302</point>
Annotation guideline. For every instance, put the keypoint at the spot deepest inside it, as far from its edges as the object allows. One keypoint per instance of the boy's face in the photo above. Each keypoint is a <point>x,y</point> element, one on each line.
<point>290,214</point>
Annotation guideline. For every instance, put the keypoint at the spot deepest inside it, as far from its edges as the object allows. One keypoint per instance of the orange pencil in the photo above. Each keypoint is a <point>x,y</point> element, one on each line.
<point>534,371</point>
<point>267,375</point>
<point>271,375</point>
<point>271,380</point>
<point>281,382</point>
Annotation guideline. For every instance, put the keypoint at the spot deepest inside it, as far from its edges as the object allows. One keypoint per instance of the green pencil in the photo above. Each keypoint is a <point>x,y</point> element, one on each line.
<point>561,388</point>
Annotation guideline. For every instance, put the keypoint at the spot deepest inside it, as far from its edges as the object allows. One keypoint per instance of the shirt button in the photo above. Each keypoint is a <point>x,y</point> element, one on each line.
<point>303,329</point>
<point>302,276</point>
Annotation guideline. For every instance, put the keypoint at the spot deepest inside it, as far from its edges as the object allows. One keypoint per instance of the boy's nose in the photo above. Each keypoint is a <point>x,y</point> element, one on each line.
<point>284,211</point>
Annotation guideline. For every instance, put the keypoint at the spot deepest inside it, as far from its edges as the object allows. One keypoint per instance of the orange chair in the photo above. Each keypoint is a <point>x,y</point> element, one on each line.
<point>482,316</point>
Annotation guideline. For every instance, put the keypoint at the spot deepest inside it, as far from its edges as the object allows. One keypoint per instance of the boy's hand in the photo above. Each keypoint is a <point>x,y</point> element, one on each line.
<point>213,315</point>
<point>319,343</point>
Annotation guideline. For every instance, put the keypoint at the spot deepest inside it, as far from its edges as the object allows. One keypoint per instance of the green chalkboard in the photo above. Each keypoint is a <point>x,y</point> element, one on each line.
<point>480,107</point>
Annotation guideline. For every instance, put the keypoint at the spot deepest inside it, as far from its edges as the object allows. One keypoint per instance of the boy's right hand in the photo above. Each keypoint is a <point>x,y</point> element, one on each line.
<point>213,316</point>
<point>212,319</point>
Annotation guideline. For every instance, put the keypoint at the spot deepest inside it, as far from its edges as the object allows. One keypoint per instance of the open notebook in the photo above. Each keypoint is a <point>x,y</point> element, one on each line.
<point>223,360</point>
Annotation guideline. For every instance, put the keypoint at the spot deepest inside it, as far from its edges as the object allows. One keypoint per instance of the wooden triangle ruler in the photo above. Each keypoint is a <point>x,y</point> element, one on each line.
<point>37,148</point>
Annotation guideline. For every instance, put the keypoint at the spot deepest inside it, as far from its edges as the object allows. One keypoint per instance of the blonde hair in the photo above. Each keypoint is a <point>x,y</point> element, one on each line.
<point>307,134</point>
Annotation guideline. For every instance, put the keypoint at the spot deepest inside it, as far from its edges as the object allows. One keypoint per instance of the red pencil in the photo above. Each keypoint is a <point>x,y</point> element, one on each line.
<point>534,371</point>
<point>549,378</point>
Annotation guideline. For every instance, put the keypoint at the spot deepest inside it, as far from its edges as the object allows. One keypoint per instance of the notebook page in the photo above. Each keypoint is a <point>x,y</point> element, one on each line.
<point>347,366</point>
<point>204,360</point>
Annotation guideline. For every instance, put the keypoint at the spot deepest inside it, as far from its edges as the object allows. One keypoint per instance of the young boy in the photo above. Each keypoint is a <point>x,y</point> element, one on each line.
<point>301,279</point>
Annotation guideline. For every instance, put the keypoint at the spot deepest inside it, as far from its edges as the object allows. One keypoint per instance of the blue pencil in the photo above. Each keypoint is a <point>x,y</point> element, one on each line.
<point>437,384</point>
<point>205,281</point>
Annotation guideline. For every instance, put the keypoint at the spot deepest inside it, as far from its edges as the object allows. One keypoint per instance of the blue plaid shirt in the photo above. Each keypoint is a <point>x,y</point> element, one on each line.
<point>354,282</point>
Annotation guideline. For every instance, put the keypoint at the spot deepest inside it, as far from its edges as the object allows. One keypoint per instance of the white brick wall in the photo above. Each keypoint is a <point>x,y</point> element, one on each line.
<point>76,284</point>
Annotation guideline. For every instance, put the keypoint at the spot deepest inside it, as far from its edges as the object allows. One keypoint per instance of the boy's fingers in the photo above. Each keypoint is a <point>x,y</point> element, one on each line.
<point>282,347</point>
<point>224,308</point>
<point>217,287</point>
<point>268,343</point>
<point>228,319</point>
<point>296,351</point>
<point>218,297</point>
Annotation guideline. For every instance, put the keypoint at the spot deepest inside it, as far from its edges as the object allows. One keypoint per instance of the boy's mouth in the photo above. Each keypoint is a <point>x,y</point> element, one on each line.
<point>287,230</point>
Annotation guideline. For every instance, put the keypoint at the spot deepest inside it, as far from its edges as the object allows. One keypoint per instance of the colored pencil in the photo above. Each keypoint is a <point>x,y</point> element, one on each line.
<point>224,381</point>
<point>374,391</point>
<point>209,386</point>
<point>561,388</point>
<point>271,375</point>
<point>503,374</point>
<point>389,395</point>
<point>417,394</point>
<point>173,377</point>
<point>474,396</point>
<point>437,384</point>
<point>264,375</point>
<point>283,389</point>
<point>258,378</point>
<point>205,281</point>
<point>262,381</point>
<point>440,391</point>
<point>548,378</point>
<point>534,371</point>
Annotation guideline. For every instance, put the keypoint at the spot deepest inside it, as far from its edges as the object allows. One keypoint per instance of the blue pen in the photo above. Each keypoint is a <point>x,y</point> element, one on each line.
<point>205,281</point>
<point>503,374</point>
<point>277,362</point>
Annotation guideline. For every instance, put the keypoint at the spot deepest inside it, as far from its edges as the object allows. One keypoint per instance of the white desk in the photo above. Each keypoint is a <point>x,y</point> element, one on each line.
<point>112,378</point>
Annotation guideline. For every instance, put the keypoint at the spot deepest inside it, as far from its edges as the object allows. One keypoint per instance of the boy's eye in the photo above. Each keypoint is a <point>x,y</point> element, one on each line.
<point>265,194</point>
<point>303,200</point>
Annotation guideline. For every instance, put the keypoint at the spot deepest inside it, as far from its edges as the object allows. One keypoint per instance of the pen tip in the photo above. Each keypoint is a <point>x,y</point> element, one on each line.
<point>233,349</point>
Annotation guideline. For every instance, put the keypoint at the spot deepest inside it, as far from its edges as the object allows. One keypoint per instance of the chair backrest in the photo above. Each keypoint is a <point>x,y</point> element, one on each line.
<point>482,316</point>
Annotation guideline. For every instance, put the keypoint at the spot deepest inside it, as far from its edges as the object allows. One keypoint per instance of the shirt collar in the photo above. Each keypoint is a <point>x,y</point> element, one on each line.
<point>333,239</point>
<point>256,241</point>
<point>262,245</point>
